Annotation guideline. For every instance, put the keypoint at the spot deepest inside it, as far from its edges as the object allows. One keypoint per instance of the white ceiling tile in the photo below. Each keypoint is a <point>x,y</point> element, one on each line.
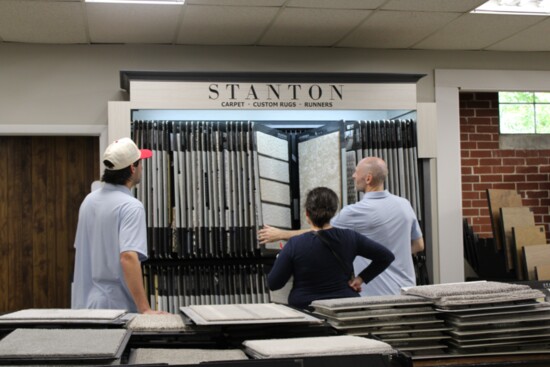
<point>236,2</point>
<point>224,25</point>
<point>476,31</point>
<point>392,29</point>
<point>433,5</point>
<point>340,4</point>
<point>531,39</point>
<point>132,23</point>
<point>42,22</point>
<point>312,27</point>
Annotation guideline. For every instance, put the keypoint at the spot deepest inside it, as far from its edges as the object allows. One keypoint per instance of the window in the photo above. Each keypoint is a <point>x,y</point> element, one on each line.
<point>524,112</point>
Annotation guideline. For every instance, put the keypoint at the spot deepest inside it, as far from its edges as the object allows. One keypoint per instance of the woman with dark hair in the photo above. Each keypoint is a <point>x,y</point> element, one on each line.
<point>321,261</point>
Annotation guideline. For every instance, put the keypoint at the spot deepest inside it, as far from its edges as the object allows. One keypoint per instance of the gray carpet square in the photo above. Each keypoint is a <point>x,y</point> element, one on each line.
<point>183,356</point>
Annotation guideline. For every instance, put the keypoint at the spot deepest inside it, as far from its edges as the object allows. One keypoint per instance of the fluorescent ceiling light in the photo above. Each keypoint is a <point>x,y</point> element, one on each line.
<point>162,2</point>
<point>518,7</point>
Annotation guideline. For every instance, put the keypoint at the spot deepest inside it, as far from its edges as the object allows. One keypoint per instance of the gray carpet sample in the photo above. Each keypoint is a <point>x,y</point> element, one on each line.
<point>183,356</point>
<point>467,288</point>
<point>63,314</point>
<point>157,323</point>
<point>355,302</point>
<point>62,343</point>
<point>315,346</point>
<point>243,312</point>
<point>469,299</point>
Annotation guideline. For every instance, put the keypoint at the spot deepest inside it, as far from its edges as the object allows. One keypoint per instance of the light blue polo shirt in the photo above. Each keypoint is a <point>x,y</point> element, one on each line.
<point>389,220</point>
<point>110,221</point>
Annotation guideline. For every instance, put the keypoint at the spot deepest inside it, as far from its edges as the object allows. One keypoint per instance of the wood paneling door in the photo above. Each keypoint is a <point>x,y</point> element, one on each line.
<point>43,180</point>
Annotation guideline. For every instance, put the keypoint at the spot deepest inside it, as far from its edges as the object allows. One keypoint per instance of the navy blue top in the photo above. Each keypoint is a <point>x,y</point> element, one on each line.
<point>317,272</point>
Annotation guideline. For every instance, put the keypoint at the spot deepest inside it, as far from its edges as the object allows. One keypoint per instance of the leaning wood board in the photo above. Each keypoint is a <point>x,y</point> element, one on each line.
<point>526,236</point>
<point>500,199</point>
<point>536,255</point>
<point>510,218</point>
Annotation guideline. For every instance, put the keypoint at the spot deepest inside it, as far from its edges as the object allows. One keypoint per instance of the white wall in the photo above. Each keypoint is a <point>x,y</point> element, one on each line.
<point>72,85</point>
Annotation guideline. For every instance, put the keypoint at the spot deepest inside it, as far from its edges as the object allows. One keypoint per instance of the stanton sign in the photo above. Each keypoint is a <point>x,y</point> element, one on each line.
<point>238,95</point>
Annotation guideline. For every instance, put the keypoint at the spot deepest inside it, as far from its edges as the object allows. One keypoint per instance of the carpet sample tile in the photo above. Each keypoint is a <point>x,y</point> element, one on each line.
<point>63,314</point>
<point>315,346</point>
<point>277,216</point>
<point>275,192</point>
<point>472,299</point>
<point>273,169</point>
<point>183,356</point>
<point>364,302</point>
<point>272,146</point>
<point>41,344</point>
<point>243,312</point>
<point>466,288</point>
<point>168,322</point>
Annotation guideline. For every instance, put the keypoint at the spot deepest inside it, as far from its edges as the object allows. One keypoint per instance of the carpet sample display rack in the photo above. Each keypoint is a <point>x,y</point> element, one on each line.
<point>211,185</point>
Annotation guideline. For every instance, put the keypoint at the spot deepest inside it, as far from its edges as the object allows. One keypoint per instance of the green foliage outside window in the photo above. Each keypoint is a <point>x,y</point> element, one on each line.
<point>524,112</point>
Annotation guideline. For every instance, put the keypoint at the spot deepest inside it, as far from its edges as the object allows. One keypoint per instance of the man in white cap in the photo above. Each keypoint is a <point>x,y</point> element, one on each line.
<point>111,238</point>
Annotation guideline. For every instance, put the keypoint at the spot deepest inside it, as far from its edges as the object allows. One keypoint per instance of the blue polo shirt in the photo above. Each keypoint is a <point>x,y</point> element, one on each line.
<point>110,221</point>
<point>389,220</point>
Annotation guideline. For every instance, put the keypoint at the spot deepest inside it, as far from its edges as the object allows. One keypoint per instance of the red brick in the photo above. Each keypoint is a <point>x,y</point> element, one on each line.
<point>539,177</point>
<point>466,170</point>
<point>544,185</point>
<point>469,162</point>
<point>468,145</point>
<point>464,137</point>
<point>470,178</point>
<point>467,187</point>
<point>483,186</point>
<point>530,202</point>
<point>527,169</point>
<point>545,202</point>
<point>470,195</point>
<point>493,145</point>
<point>524,186</point>
<point>482,170</point>
<point>470,212</point>
<point>527,153</point>
<point>513,178</point>
<point>467,128</point>
<point>504,169</point>
<point>538,219</point>
<point>484,211</point>
<point>464,154</point>
<point>480,137</point>
<point>481,153</point>
<point>536,161</point>
<point>466,96</point>
<point>504,186</point>
<point>482,220</point>
<point>540,210</point>
<point>504,153</point>
<point>536,194</point>
<point>478,104</point>
<point>544,169</point>
<point>479,121</point>
<point>491,178</point>
<point>480,112</point>
<point>479,204</point>
<point>485,231</point>
<point>492,129</point>
<point>467,112</point>
<point>466,203</point>
<point>513,161</point>
<point>490,162</point>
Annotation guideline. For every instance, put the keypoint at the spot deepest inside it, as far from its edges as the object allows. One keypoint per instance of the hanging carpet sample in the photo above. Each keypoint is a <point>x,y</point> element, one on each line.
<point>320,163</point>
<point>183,356</point>
<point>64,344</point>
<point>315,346</point>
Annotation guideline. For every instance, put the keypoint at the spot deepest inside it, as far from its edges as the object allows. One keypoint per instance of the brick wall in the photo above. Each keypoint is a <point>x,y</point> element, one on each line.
<point>485,166</point>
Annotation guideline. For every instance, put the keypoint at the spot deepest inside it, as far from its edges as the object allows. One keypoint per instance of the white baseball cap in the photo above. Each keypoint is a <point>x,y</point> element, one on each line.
<point>122,153</point>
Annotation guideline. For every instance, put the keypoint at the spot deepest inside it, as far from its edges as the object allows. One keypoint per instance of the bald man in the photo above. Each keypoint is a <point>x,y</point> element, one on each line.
<point>383,217</point>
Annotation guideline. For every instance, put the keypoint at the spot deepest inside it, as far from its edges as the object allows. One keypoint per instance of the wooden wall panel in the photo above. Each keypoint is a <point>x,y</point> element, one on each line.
<point>43,180</point>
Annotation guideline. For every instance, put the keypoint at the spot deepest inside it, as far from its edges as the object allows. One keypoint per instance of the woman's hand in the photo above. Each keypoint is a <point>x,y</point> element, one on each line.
<point>270,234</point>
<point>356,283</point>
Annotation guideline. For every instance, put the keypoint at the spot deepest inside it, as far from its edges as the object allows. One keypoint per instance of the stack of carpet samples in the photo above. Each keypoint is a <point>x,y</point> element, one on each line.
<point>491,317</point>
<point>408,323</point>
